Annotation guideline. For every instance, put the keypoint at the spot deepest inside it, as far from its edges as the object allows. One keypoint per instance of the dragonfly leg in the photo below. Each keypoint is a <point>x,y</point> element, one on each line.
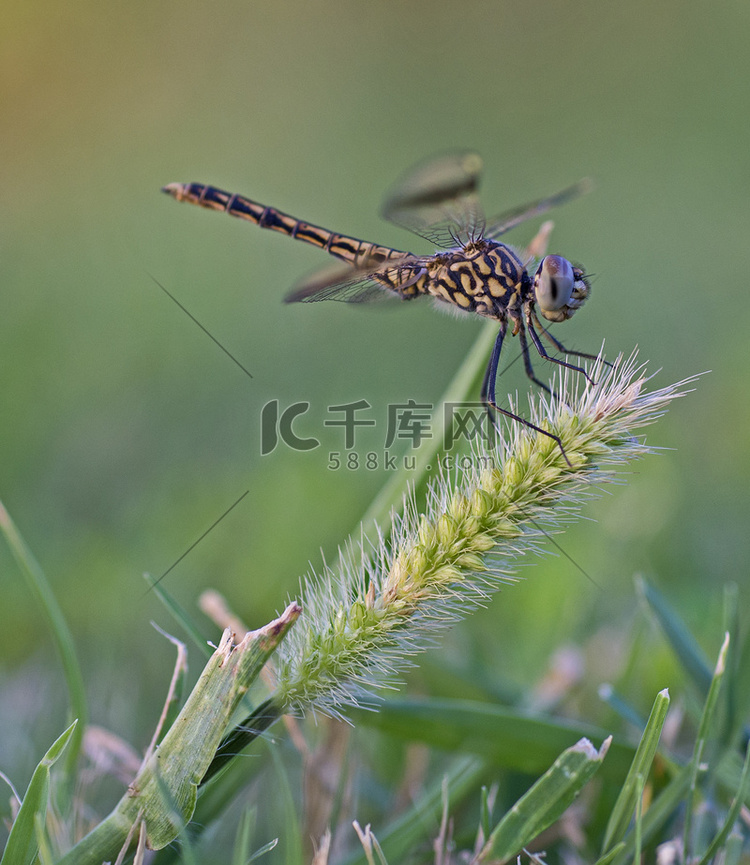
<point>560,347</point>
<point>489,398</point>
<point>543,353</point>
<point>527,361</point>
<point>490,376</point>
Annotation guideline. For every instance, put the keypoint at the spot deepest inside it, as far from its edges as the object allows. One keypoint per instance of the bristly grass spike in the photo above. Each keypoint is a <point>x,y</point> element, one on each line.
<point>471,271</point>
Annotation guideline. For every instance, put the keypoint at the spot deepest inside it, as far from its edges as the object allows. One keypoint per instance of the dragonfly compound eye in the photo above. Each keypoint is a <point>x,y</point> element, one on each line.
<point>554,285</point>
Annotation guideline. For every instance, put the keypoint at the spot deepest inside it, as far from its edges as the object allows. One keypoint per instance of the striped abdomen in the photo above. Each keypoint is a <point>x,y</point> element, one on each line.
<point>359,253</point>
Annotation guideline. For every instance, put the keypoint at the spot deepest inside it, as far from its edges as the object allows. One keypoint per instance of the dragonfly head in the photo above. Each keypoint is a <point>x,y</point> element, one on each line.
<point>559,288</point>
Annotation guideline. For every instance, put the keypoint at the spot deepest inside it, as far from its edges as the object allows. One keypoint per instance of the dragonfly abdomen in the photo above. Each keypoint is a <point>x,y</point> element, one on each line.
<point>359,253</point>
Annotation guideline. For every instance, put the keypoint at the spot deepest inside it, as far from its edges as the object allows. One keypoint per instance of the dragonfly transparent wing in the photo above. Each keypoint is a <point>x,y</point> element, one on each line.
<point>511,218</point>
<point>438,200</point>
<point>358,285</point>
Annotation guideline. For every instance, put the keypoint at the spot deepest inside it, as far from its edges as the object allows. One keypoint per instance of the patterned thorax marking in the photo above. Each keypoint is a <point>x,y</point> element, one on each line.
<point>483,277</point>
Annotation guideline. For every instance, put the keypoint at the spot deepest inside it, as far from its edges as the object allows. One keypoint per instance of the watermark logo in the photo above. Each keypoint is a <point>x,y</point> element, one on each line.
<point>467,421</point>
<point>276,425</point>
<point>409,422</point>
<point>350,423</point>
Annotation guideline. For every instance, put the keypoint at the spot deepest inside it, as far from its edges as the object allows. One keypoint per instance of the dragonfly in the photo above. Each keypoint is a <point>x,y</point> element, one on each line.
<point>471,271</point>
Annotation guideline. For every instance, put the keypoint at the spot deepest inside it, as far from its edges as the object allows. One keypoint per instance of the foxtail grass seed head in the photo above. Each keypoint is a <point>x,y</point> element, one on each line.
<point>364,619</point>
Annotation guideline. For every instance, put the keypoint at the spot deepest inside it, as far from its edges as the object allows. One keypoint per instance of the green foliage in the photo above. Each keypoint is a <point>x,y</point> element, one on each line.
<point>27,835</point>
<point>512,743</point>
<point>164,792</point>
<point>58,628</point>
<point>374,612</point>
<point>544,802</point>
<point>184,789</point>
<point>632,789</point>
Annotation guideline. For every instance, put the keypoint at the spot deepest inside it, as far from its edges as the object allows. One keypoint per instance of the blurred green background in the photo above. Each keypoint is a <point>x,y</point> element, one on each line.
<point>126,432</point>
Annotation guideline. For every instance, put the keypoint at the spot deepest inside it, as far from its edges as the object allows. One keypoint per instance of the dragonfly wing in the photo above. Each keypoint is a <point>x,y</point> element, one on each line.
<point>438,199</point>
<point>511,218</point>
<point>358,285</point>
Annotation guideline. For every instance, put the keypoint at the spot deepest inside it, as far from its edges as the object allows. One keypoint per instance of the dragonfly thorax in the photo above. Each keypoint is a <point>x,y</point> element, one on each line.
<point>484,277</point>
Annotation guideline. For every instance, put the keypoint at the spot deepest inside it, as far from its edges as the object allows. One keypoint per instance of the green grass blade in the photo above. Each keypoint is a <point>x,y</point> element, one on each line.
<point>740,729</point>
<point>731,619</point>
<point>701,738</point>
<point>505,737</point>
<point>23,843</point>
<point>245,829</point>
<point>44,855</point>
<point>261,851</point>
<point>610,857</point>
<point>41,589</point>
<point>739,707</point>
<point>627,801</point>
<point>290,817</point>
<point>485,813</point>
<point>639,783</point>
<point>659,813</point>
<point>733,813</point>
<point>545,801</point>
<point>674,629</point>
